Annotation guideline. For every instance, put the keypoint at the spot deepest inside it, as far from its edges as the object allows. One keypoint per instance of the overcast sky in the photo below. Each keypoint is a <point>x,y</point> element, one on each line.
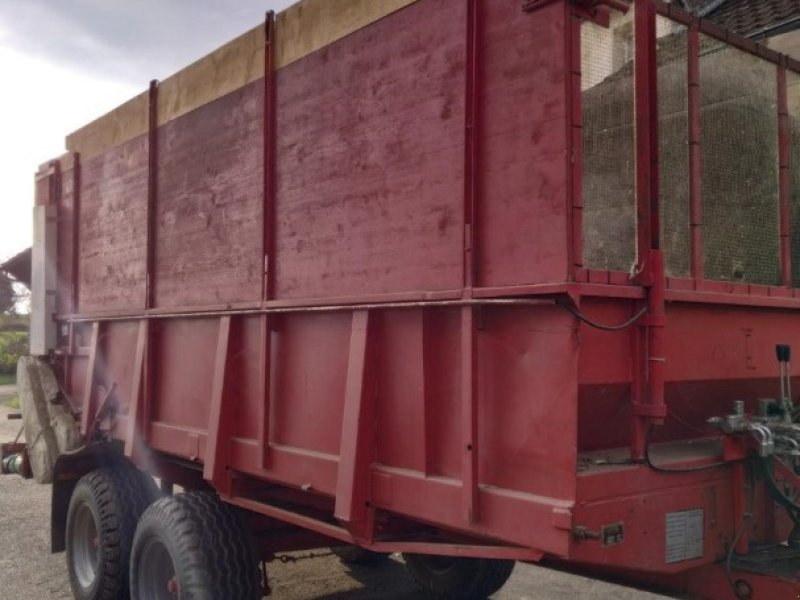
<point>65,62</point>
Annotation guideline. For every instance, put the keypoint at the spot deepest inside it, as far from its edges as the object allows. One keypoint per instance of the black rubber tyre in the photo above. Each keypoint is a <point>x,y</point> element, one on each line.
<point>193,546</point>
<point>451,578</point>
<point>101,521</point>
<point>356,555</point>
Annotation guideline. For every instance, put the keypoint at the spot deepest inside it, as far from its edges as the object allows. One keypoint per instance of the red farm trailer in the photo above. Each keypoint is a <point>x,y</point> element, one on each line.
<point>475,281</point>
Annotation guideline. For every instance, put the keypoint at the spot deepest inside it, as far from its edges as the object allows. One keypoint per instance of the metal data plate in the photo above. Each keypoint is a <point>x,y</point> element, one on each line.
<point>684,535</point>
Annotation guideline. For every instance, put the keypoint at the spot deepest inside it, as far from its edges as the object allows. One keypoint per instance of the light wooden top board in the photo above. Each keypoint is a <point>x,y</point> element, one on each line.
<point>300,30</point>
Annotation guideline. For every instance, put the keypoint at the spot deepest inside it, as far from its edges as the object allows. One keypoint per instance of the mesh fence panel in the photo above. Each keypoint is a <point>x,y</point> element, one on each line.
<point>609,167</point>
<point>673,145</point>
<point>741,235</point>
<point>793,85</point>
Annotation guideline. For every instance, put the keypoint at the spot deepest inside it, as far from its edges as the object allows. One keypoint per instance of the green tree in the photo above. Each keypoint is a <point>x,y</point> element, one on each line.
<point>8,297</point>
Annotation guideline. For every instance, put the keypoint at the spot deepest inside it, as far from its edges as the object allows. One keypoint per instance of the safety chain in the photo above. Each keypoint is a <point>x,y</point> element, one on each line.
<point>293,558</point>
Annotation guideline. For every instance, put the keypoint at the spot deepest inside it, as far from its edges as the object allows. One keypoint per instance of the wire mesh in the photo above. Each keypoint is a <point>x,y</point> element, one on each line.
<point>609,162</point>
<point>793,88</point>
<point>739,121</point>
<point>673,145</point>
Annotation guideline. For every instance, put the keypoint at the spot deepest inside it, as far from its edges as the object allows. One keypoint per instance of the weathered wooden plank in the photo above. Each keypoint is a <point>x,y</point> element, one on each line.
<point>303,29</point>
<point>112,228</point>
<point>371,159</point>
<point>208,230</point>
<point>523,233</point>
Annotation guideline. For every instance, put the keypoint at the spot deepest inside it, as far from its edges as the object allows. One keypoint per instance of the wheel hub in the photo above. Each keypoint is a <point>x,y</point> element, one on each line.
<point>86,547</point>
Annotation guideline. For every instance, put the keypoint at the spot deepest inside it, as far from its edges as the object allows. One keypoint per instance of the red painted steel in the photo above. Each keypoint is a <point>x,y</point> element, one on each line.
<point>695,155</point>
<point>353,506</point>
<point>365,283</point>
<point>268,234</point>
<point>152,193</point>
<point>784,152</point>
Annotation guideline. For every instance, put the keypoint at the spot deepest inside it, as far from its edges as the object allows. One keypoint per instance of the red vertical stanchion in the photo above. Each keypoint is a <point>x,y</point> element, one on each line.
<point>784,175</point>
<point>652,410</point>
<point>76,229</point>
<point>695,155</point>
<point>152,193</point>
<point>147,391</point>
<point>469,367</point>
<point>268,234</point>
<point>575,133</point>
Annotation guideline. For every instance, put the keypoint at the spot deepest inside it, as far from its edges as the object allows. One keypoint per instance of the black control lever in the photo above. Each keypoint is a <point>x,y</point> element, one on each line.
<point>784,354</point>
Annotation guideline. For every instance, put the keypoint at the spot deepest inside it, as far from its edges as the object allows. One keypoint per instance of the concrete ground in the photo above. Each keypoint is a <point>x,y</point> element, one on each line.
<point>29,572</point>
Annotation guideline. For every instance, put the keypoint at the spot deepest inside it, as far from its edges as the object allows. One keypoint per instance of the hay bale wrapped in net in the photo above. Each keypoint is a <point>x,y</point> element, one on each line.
<point>740,165</point>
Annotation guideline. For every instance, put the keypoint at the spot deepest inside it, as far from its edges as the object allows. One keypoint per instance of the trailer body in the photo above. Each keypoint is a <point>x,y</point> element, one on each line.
<point>346,271</point>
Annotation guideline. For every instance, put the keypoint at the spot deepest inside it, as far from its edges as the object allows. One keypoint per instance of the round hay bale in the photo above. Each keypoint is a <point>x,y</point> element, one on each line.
<point>49,427</point>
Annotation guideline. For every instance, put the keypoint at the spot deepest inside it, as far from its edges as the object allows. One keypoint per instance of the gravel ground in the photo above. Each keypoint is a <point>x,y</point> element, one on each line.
<point>29,572</point>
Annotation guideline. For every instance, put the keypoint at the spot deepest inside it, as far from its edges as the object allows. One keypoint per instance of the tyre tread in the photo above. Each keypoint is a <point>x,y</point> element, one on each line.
<point>121,494</point>
<point>217,560</point>
<point>475,579</point>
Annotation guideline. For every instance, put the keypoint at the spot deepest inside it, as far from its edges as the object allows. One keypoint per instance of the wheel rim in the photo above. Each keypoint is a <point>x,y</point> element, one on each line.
<point>85,547</point>
<point>438,565</point>
<point>156,573</point>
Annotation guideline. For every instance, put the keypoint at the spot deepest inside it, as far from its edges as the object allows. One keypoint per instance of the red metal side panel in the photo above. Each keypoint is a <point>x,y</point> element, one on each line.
<point>715,354</point>
<point>522,205</point>
<point>419,398</point>
<point>112,228</point>
<point>402,390</point>
<point>370,155</point>
<point>118,345</point>
<point>209,199</point>
<point>184,357</point>
<point>244,371</point>
<point>528,360</point>
<point>443,392</point>
<point>310,372</point>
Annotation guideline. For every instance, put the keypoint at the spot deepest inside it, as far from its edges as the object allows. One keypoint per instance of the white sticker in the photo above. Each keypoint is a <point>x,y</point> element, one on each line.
<point>685,531</point>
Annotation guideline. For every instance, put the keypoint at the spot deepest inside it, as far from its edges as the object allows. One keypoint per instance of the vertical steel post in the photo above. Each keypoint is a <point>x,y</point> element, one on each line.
<point>647,217</point>
<point>150,259</point>
<point>469,367</point>
<point>220,417</point>
<point>784,175</point>
<point>133,441</point>
<point>695,154</point>
<point>152,192</point>
<point>575,136</point>
<point>269,147</point>
<point>76,229</point>
<point>471,145</point>
<point>91,367</point>
<point>268,234</point>
<point>650,257</point>
<point>358,442</point>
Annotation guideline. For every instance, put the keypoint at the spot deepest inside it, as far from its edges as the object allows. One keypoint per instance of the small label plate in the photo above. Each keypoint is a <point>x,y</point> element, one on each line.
<point>685,530</point>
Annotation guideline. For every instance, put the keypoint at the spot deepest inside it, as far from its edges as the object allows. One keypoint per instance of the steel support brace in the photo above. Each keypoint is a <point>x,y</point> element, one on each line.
<point>221,417</point>
<point>357,449</point>
<point>134,446</point>
<point>469,415</point>
<point>91,368</point>
<point>265,392</point>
